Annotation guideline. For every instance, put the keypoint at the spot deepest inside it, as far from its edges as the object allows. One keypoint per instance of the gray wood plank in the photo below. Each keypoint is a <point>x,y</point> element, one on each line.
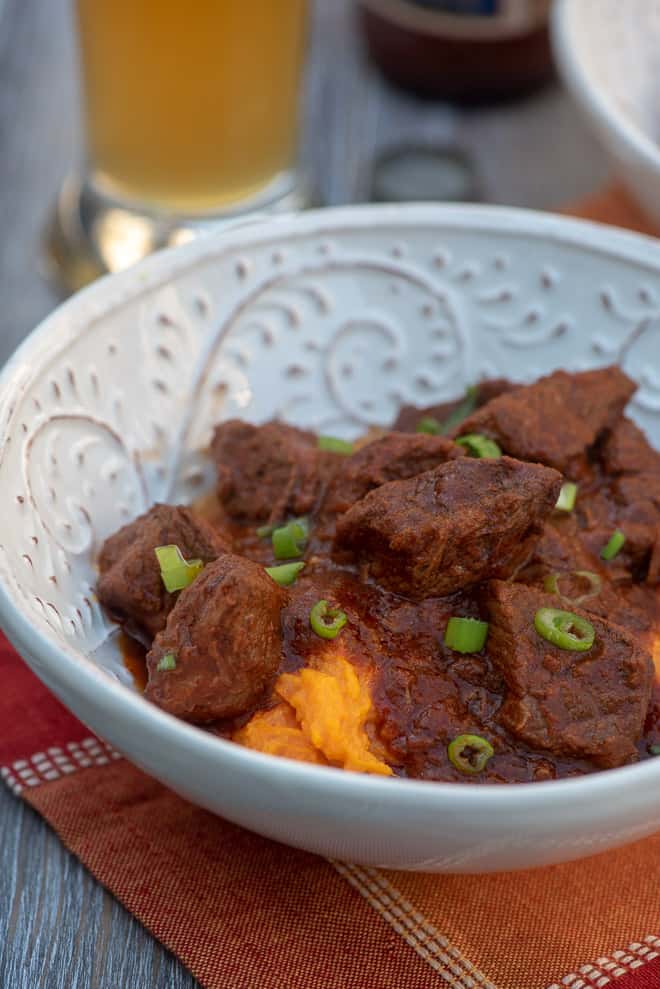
<point>58,928</point>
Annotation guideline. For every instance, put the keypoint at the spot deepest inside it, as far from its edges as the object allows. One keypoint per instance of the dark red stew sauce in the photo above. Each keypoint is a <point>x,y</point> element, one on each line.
<point>424,693</point>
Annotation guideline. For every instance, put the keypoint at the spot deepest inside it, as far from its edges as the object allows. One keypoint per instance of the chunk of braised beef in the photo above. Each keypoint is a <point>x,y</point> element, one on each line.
<point>583,705</point>
<point>556,420</point>
<point>563,552</point>
<point>638,517</point>
<point>221,645</point>
<point>631,504</point>
<point>266,473</point>
<point>393,457</point>
<point>450,527</point>
<point>130,585</point>
<point>626,450</point>
<point>410,416</point>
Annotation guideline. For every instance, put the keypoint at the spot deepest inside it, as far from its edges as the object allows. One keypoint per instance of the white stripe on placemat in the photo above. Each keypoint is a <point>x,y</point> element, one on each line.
<point>55,762</point>
<point>607,969</point>
<point>436,950</point>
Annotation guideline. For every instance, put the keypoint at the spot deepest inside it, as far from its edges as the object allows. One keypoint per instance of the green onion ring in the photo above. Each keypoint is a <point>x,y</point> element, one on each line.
<point>551,585</point>
<point>327,622</point>
<point>470,753</point>
<point>564,629</point>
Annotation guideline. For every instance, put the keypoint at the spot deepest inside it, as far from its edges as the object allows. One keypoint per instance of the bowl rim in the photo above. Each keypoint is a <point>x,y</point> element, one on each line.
<point>609,118</point>
<point>81,677</point>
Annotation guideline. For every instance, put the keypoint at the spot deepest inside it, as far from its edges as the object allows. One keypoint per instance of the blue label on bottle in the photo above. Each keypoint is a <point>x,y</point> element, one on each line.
<point>471,8</point>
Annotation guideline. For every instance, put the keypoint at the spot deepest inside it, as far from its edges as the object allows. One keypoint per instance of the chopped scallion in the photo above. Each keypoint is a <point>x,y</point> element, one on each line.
<point>285,573</point>
<point>167,663</point>
<point>176,572</point>
<point>265,531</point>
<point>614,546</point>
<point>430,425</point>
<point>551,585</point>
<point>470,753</point>
<point>289,540</point>
<point>466,634</point>
<point>564,629</point>
<point>480,446</point>
<point>567,496</point>
<point>332,444</point>
<point>326,621</point>
<point>465,407</point>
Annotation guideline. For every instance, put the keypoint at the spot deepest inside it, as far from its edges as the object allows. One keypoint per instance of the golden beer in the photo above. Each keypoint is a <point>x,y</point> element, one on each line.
<point>190,106</point>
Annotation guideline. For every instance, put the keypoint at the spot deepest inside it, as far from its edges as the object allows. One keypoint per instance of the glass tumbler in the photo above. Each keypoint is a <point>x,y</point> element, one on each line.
<point>190,115</point>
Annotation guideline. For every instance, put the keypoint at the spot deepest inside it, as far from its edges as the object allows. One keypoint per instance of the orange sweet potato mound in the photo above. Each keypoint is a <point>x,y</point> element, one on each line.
<point>322,717</point>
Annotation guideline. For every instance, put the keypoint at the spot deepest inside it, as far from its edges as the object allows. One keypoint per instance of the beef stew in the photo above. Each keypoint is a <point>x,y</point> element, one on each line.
<point>470,596</point>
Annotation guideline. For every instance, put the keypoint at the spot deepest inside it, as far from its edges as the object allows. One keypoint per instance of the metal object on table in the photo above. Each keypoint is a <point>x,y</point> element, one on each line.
<point>424,173</point>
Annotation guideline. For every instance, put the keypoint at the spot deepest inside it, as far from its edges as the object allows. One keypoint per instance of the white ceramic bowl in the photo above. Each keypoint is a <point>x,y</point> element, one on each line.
<point>607,53</point>
<point>330,319</point>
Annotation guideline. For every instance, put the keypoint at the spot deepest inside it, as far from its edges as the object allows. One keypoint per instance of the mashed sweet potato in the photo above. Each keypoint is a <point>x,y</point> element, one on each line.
<point>323,718</point>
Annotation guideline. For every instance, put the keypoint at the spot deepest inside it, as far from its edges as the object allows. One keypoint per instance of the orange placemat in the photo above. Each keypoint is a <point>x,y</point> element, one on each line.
<point>243,912</point>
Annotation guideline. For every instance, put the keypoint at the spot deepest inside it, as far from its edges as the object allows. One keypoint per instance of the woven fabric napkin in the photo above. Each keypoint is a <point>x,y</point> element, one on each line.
<point>243,912</point>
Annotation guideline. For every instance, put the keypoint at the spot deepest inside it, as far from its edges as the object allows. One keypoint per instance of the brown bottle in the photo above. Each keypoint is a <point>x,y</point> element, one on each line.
<point>467,51</point>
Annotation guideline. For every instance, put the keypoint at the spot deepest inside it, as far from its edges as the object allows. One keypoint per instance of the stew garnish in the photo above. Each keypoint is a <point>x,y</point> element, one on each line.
<point>470,753</point>
<point>167,663</point>
<point>176,572</point>
<point>327,622</point>
<point>285,574</point>
<point>567,496</point>
<point>613,546</point>
<point>466,634</point>
<point>564,629</point>
<point>480,446</point>
<point>332,444</point>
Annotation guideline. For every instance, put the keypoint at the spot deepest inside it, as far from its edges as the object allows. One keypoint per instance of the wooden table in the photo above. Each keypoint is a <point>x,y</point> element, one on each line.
<point>58,928</point>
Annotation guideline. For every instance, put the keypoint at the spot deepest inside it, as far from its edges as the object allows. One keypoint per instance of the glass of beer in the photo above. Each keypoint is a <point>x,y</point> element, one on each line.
<point>191,118</point>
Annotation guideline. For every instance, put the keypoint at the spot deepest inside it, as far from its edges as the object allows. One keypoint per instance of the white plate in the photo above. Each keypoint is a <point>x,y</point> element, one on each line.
<point>330,319</point>
<point>608,55</point>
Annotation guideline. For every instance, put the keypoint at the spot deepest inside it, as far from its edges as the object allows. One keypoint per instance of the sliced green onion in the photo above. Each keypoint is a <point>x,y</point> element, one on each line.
<point>615,544</point>
<point>654,749</point>
<point>326,621</point>
<point>470,753</point>
<point>430,425</point>
<point>265,531</point>
<point>466,406</point>
<point>466,634</point>
<point>285,574</point>
<point>480,446</point>
<point>564,629</point>
<point>290,539</point>
<point>167,663</point>
<point>551,585</point>
<point>176,572</point>
<point>567,496</point>
<point>332,444</point>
